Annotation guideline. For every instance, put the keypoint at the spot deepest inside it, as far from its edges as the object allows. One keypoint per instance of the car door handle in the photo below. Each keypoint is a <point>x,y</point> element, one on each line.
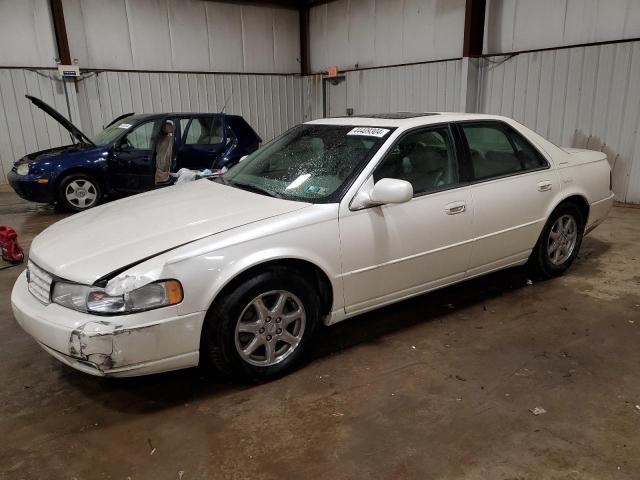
<point>455,207</point>
<point>544,186</point>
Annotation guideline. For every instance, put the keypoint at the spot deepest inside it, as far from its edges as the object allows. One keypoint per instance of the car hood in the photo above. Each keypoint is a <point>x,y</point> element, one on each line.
<point>90,245</point>
<point>61,119</point>
<point>46,155</point>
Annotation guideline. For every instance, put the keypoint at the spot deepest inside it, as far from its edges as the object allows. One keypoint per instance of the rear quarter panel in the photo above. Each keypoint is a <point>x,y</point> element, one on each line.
<point>584,173</point>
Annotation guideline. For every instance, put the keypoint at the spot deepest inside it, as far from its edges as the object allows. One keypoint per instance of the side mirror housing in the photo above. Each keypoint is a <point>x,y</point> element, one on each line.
<point>385,191</point>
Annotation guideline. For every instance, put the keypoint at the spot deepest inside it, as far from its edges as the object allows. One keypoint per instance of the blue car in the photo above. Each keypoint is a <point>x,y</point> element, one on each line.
<point>133,154</point>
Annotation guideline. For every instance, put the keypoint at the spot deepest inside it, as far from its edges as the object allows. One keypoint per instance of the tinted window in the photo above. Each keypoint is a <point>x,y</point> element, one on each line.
<point>309,162</point>
<point>141,137</point>
<point>426,159</point>
<point>205,131</point>
<point>496,151</point>
<point>530,157</point>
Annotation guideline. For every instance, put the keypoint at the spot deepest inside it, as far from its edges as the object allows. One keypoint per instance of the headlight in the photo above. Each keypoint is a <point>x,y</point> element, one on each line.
<point>22,169</point>
<point>84,298</point>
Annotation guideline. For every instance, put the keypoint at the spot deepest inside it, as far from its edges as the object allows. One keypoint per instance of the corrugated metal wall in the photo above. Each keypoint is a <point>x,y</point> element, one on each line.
<point>270,103</point>
<point>369,33</point>
<point>182,35</point>
<point>585,97</point>
<point>23,127</point>
<point>412,88</point>
<point>26,34</point>
<point>516,25</point>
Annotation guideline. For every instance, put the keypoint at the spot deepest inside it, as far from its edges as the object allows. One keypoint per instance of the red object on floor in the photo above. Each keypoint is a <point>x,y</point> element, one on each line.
<point>11,251</point>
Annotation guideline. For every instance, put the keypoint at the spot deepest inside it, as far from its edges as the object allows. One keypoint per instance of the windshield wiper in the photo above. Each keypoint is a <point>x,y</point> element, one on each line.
<point>252,188</point>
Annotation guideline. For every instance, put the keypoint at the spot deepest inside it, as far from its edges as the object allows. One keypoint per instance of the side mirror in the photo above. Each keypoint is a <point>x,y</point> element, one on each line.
<point>386,190</point>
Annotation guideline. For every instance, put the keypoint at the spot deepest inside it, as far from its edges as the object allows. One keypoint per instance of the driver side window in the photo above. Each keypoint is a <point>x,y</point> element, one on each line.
<point>426,159</point>
<point>141,137</point>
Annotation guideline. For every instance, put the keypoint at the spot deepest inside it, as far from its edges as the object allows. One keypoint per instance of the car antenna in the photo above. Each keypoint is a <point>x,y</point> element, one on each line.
<point>225,103</point>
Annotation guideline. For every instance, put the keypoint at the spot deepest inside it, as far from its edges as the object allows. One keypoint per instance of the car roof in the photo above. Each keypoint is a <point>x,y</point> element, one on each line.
<point>149,116</point>
<point>404,119</point>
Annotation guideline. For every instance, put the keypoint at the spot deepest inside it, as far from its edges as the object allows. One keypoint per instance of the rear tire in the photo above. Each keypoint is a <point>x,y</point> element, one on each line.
<point>559,242</point>
<point>78,192</point>
<point>262,327</point>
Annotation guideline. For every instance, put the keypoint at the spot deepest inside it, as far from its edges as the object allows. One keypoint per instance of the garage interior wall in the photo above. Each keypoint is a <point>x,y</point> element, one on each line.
<point>433,86</point>
<point>518,25</point>
<point>182,35</point>
<point>270,103</point>
<point>353,34</point>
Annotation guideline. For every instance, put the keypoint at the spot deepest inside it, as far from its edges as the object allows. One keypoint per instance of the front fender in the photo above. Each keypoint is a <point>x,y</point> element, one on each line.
<point>206,266</point>
<point>260,257</point>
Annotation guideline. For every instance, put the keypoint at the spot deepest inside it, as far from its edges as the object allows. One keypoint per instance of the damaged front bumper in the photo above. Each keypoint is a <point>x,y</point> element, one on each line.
<point>126,345</point>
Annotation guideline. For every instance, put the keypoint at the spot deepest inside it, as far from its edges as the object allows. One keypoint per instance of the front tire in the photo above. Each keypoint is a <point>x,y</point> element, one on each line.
<point>559,242</point>
<point>78,192</point>
<point>262,327</point>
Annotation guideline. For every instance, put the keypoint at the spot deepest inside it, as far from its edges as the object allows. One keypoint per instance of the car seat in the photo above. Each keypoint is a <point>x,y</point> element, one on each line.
<point>164,153</point>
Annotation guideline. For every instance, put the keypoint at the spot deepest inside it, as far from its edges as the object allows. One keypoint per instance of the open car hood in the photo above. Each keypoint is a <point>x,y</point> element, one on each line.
<point>62,120</point>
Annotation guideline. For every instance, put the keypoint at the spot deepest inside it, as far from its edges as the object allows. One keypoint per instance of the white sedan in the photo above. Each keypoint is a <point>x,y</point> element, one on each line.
<point>334,218</point>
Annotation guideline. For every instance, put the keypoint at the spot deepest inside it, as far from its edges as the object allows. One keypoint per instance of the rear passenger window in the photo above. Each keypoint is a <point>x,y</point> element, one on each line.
<point>425,159</point>
<point>529,156</point>
<point>205,131</point>
<point>496,152</point>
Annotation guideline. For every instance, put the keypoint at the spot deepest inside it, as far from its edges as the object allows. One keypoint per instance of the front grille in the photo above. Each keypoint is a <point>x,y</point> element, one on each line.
<point>39,283</point>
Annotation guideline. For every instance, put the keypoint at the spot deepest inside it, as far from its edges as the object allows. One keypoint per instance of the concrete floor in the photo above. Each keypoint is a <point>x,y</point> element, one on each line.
<point>436,387</point>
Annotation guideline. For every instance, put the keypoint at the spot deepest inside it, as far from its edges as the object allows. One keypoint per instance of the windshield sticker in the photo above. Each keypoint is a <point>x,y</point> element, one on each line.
<point>124,125</point>
<point>369,131</point>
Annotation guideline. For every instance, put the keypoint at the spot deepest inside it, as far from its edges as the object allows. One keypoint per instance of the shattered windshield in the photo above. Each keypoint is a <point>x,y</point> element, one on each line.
<point>109,134</point>
<point>309,162</point>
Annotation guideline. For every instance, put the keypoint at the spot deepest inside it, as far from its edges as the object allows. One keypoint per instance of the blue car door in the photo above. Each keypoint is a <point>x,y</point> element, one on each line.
<point>203,142</point>
<point>131,160</point>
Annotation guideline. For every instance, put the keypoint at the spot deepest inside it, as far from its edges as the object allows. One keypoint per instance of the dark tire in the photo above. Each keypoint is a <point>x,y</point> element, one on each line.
<point>224,333</point>
<point>78,192</point>
<point>556,248</point>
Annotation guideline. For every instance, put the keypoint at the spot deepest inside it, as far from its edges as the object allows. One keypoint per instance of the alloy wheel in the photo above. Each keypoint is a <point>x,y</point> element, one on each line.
<point>270,328</point>
<point>562,240</point>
